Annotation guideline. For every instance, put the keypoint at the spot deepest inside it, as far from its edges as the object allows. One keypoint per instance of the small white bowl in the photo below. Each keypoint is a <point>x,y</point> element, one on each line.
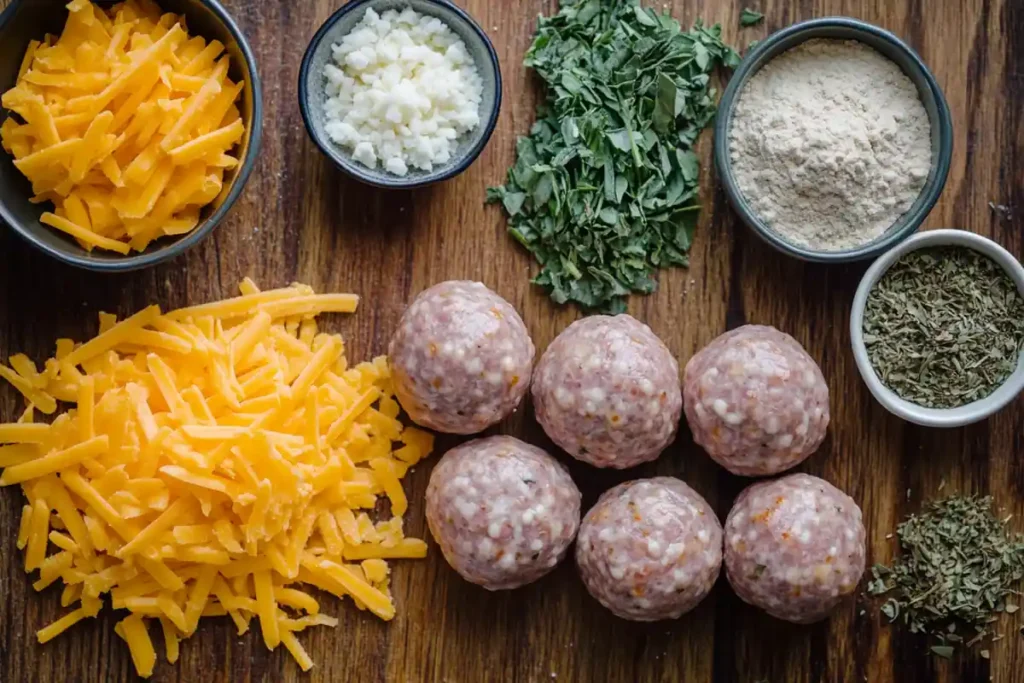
<point>934,417</point>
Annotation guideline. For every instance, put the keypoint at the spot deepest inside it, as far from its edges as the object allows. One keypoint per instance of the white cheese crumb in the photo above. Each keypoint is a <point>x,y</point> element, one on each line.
<point>402,90</point>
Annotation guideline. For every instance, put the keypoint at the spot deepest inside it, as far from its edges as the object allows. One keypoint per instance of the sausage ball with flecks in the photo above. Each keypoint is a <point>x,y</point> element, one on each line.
<point>794,547</point>
<point>650,549</point>
<point>607,392</point>
<point>504,512</point>
<point>461,358</point>
<point>756,401</point>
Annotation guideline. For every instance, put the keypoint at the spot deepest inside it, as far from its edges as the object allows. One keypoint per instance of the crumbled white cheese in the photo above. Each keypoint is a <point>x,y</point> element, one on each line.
<point>402,91</point>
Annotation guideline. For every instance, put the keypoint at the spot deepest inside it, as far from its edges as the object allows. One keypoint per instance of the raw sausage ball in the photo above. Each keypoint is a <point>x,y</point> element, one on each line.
<point>504,512</point>
<point>607,392</point>
<point>461,358</point>
<point>650,549</point>
<point>794,547</point>
<point>756,401</point>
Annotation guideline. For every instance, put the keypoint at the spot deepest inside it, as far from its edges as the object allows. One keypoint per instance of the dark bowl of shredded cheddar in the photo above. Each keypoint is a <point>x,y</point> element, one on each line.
<point>129,129</point>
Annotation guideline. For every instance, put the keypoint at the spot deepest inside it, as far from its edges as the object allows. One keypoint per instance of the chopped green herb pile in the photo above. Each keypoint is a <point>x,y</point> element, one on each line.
<point>958,565</point>
<point>944,327</point>
<point>749,17</point>
<point>604,188</point>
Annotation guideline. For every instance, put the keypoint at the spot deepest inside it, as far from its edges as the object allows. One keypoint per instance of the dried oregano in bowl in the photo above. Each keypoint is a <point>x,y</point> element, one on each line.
<point>944,327</point>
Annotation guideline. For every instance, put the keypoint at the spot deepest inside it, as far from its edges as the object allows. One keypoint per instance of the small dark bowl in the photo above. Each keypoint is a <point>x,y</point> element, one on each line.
<point>889,46</point>
<point>26,20</point>
<point>312,90</point>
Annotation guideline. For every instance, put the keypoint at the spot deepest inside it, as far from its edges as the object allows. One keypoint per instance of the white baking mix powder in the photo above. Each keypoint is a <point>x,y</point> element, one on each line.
<point>830,144</point>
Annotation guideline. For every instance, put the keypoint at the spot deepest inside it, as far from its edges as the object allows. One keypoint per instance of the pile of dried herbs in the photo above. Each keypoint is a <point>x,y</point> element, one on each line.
<point>944,327</point>
<point>957,568</point>
<point>604,188</point>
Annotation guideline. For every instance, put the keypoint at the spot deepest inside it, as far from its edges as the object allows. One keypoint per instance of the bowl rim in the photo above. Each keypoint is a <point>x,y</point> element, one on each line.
<point>941,162</point>
<point>353,169</point>
<point>189,240</point>
<point>911,412</point>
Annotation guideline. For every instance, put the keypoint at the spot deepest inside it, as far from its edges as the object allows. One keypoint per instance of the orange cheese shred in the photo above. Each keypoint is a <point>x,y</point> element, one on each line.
<point>221,460</point>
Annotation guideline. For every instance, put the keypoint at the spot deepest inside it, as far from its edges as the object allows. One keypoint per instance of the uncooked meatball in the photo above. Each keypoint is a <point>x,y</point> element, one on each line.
<point>504,512</point>
<point>756,401</point>
<point>607,392</point>
<point>650,549</point>
<point>461,358</point>
<point>794,547</point>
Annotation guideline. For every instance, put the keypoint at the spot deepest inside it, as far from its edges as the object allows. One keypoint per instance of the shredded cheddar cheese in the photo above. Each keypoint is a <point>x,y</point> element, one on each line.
<point>124,123</point>
<point>218,459</point>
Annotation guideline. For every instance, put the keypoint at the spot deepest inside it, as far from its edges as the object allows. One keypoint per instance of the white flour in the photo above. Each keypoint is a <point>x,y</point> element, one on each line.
<point>830,144</point>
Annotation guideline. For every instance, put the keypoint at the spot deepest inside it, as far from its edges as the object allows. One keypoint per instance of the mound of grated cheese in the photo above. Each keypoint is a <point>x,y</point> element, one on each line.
<point>219,459</point>
<point>402,91</point>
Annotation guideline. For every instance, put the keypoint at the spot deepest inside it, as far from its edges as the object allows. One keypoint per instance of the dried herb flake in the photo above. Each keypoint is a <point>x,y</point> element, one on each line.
<point>958,565</point>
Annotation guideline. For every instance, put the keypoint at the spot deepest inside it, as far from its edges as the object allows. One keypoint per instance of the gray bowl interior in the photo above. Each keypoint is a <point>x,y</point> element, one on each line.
<point>907,60</point>
<point>30,20</point>
<point>316,93</point>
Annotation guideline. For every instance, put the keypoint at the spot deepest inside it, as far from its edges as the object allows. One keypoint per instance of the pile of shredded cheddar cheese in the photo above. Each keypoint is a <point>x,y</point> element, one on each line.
<point>125,123</point>
<point>219,458</point>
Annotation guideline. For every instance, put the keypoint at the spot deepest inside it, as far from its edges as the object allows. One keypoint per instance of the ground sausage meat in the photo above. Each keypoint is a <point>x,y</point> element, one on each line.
<point>756,401</point>
<point>461,358</point>
<point>607,392</point>
<point>794,547</point>
<point>650,549</point>
<point>504,512</point>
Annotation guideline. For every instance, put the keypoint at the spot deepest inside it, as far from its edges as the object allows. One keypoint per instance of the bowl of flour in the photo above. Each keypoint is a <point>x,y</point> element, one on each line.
<point>833,140</point>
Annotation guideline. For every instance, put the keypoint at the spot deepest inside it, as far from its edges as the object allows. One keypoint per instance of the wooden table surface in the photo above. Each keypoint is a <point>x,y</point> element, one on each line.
<point>300,219</point>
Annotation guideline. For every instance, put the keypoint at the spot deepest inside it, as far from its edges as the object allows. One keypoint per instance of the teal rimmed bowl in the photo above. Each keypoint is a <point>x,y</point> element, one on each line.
<point>891,47</point>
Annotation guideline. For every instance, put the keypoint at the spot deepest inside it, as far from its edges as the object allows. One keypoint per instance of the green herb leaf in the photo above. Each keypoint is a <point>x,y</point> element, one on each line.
<point>689,164</point>
<point>643,17</point>
<point>603,189</point>
<point>571,83</point>
<point>665,104</point>
<point>621,139</point>
<point>749,17</point>
<point>609,215</point>
<point>513,202</point>
<point>944,651</point>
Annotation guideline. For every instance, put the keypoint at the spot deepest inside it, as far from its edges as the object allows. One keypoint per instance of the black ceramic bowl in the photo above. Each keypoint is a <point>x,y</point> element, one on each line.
<point>25,20</point>
<point>312,90</point>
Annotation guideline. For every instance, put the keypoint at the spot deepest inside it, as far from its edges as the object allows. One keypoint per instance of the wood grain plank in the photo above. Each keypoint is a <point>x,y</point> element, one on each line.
<point>300,219</point>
